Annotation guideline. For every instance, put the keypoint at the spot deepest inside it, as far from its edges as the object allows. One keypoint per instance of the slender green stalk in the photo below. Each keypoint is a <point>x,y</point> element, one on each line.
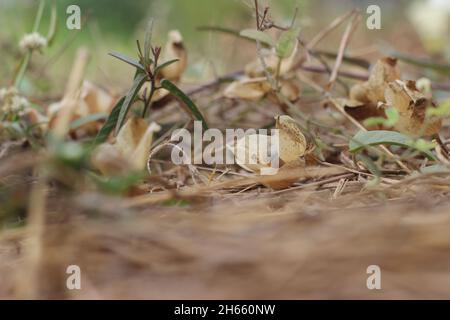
<point>277,74</point>
<point>23,69</point>
<point>148,101</point>
<point>27,57</point>
<point>40,12</point>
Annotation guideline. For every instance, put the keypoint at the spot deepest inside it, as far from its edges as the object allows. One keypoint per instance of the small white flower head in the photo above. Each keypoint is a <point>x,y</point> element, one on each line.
<point>33,41</point>
<point>11,101</point>
<point>7,93</point>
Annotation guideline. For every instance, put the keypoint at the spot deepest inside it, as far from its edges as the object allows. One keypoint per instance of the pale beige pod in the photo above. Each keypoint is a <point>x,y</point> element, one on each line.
<point>174,49</point>
<point>293,143</point>
<point>247,154</point>
<point>248,89</point>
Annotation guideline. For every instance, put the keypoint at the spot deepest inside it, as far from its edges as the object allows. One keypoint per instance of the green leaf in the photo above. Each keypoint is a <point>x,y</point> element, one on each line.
<point>423,145</point>
<point>373,121</point>
<point>286,43</point>
<point>139,80</point>
<point>128,60</point>
<point>148,42</point>
<point>38,19</point>
<point>110,123</point>
<point>53,22</point>
<point>369,164</point>
<point>392,118</point>
<point>258,36</point>
<point>70,153</point>
<point>442,111</point>
<point>117,184</point>
<point>175,91</point>
<point>165,64</point>
<point>87,119</point>
<point>371,138</point>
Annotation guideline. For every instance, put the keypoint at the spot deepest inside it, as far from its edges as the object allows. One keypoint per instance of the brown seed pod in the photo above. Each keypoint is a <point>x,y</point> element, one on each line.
<point>411,105</point>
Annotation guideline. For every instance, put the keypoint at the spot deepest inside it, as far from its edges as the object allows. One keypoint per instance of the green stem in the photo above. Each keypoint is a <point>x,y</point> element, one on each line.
<point>27,57</point>
<point>23,69</point>
<point>277,74</point>
<point>40,12</point>
<point>150,97</point>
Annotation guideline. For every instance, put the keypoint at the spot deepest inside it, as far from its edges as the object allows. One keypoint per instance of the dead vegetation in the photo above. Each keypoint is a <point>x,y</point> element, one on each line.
<point>364,180</point>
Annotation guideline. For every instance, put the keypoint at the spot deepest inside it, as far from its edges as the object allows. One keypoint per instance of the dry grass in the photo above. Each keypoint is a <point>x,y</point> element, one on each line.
<point>310,243</point>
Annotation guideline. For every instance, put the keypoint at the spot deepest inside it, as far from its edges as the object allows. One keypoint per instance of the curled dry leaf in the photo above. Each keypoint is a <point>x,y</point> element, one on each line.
<point>254,85</point>
<point>248,88</point>
<point>130,149</point>
<point>290,89</point>
<point>364,97</point>
<point>109,161</point>
<point>255,89</point>
<point>411,105</point>
<point>286,176</point>
<point>372,91</point>
<point>360,110</point>
<point>92,99</point>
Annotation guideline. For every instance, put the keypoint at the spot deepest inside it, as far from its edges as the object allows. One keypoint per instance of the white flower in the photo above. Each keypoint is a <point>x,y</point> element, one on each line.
<point>33,41</point>
<point>11,101</point>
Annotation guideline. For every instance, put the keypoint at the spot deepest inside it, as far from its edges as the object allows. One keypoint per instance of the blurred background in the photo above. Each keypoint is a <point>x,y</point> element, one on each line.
<point>417,27</point>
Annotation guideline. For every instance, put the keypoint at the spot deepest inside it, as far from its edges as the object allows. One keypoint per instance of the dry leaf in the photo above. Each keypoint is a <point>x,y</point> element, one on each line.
<point>248,89</point>
<point>129,151</point>
<point>255,86</point>
<point>290,89</point>
<point>358,94</point>
<point>360,110</point>
<point>384,71</point>
<point>364,97</point>
<point>92,99</point>
<point>255,89</point>
<point>411,105</point>
<point>96,98</point>
<point>286,176</point>
<point>108,160</point>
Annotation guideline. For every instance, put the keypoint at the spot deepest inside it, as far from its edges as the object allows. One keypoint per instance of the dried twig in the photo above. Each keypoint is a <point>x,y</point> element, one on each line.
<point>27,286</point>
<point>68,103</point>
<point>334,24</point>
<point>343,45</point>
